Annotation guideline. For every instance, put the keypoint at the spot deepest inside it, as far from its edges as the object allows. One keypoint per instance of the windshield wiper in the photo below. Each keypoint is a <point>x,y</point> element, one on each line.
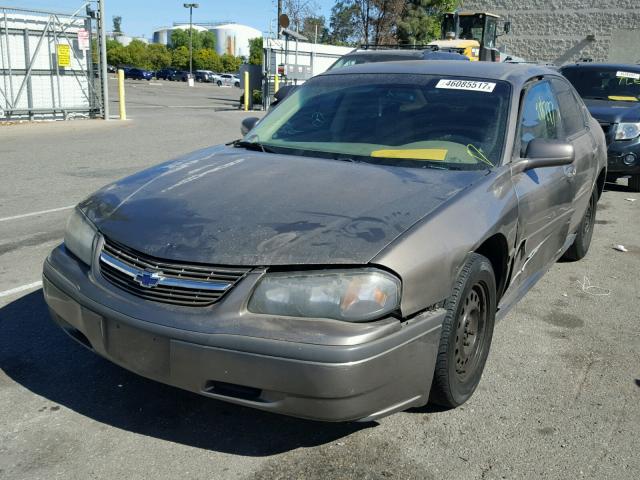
<point>256,146</point>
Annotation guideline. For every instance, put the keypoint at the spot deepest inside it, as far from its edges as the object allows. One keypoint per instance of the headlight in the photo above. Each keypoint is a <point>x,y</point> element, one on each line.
<point>627,131</point>
<point>350,295</point>
<point>79,235</point>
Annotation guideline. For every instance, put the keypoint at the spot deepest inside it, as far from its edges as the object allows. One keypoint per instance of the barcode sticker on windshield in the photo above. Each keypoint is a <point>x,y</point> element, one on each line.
<point>471,85</point>
<point>635,76</point>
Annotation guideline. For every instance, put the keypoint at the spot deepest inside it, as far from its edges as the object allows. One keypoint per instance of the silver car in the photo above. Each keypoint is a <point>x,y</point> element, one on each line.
<point>349,257</point>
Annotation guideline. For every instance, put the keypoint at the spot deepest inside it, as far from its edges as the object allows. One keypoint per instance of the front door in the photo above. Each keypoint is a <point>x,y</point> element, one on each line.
<point>545,195</point>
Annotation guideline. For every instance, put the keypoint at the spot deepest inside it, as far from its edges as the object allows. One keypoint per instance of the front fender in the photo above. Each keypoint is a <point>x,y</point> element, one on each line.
<point>429,256</point>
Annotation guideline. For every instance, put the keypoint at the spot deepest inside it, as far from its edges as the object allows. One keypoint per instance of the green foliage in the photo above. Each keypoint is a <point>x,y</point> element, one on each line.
<point>342,23</point>
<point>180,58</point>
<point>257,97</point>
<point>155,56</point>
<point>421,19</point>
<point>311,25</point>
<point>255,51</point>
<point>230,63</point>
<point>180,38</point>
<point>207,59</point>
<point>158,56</point>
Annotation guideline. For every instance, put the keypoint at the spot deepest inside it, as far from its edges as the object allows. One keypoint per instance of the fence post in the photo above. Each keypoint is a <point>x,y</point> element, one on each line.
<point>123,107</point>
<point>246,91</point>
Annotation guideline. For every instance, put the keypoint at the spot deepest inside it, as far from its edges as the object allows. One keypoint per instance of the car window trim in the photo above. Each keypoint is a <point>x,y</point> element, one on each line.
<point>529,84</point>
<point>585,126</point>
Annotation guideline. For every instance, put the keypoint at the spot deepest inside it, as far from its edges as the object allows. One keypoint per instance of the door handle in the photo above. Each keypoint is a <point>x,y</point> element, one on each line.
<point>570,171</point>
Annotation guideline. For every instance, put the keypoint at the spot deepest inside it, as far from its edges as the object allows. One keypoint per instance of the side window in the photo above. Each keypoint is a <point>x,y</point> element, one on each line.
<point>540,117</point>
<point>572,116</point>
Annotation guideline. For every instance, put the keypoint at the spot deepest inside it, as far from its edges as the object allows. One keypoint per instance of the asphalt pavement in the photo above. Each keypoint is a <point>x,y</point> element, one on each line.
<point>560,397</point>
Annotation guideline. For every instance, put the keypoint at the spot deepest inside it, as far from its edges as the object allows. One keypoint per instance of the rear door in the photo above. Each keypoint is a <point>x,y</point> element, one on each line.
<point>575,130</point>
<point>545,195</point>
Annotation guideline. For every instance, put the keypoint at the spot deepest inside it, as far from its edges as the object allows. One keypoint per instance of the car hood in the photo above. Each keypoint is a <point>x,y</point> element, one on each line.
<point>606,111</point>
<point>230,206</point>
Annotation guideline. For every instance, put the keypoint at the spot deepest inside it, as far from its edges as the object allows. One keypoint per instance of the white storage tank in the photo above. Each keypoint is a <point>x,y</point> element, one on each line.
<point>233,38</point>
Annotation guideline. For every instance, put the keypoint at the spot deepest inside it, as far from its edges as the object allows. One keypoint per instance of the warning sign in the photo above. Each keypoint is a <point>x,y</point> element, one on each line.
<point>64,55</point>
<point>83,39</point>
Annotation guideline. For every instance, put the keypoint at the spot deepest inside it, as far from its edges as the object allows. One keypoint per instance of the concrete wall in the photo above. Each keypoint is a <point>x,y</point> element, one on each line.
<point>556,30</point>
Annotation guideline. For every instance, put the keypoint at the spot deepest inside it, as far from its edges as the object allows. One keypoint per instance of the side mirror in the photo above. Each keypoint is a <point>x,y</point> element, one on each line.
<point>546,153</point>
<point>247,124</point>
<point>507,27</point>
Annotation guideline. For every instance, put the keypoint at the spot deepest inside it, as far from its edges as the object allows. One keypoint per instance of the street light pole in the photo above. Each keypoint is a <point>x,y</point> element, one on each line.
<point>191,6</point>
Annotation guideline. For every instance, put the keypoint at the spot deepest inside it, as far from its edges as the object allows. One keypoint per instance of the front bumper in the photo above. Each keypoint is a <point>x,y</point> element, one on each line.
<point>359,374</point>
<point>617,150</point>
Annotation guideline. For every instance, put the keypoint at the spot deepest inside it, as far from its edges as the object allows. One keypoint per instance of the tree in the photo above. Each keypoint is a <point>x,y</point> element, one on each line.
<point>207,59</point>
<point>158,56</point>
<point>180,38</point>
<point>230,63</point>
<point>420,21</point>
<point>137,52</point>
<point>255,51</point>
<point>315,29</point>
<point>367,21</point>
<point>180,57</point>
<point>117,24</point>
<point>117,54</point>
<point>298,10</point>
<point>342,28</point>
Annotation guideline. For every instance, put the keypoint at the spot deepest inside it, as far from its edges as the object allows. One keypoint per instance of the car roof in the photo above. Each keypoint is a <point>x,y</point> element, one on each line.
<point>598,66</point>
<point>516,74</point>
<point>385,52</point>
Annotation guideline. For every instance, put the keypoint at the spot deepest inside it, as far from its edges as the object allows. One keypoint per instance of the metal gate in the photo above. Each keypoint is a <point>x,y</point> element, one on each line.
<point>46,67</point>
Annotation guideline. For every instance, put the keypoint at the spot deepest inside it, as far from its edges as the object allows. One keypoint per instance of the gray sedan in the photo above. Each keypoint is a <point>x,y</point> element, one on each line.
<point>347,258</point>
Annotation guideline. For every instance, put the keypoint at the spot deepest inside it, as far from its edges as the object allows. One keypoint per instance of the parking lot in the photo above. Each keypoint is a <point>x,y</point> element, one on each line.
<point>559,398</point>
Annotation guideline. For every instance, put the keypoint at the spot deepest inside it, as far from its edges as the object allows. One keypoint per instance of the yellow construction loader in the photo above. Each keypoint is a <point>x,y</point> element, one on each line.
<point>472,34</point>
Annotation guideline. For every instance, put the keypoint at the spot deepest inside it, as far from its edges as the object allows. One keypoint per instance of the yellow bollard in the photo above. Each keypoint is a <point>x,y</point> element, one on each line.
<point>276,83</point>
<point>123,108</point>
<point>246,91</point>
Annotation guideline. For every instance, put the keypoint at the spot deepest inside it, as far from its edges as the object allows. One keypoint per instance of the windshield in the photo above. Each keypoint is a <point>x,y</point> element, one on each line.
<point>396,119</point>
<point>606,84</point>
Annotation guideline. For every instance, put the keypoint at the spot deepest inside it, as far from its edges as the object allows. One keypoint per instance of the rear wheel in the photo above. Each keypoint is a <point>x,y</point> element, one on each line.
<point>580,245</point>
<point>466,334</point>
<point>219,83</point>
<point>634,183</point>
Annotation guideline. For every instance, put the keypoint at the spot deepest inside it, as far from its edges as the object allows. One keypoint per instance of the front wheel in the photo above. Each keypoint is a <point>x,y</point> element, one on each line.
<point>581,243</point>
<point>219,83</point>
<point>466,335</point>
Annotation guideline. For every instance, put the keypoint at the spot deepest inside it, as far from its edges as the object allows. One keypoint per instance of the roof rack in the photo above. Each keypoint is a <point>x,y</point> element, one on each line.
<point>383,46</point>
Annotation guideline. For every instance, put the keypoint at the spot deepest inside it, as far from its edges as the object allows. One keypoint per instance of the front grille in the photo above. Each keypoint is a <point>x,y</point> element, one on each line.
<point>166,281</point>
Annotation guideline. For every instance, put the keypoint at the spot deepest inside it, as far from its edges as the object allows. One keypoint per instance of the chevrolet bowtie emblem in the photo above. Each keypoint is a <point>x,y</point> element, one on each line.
<point>148,279</point>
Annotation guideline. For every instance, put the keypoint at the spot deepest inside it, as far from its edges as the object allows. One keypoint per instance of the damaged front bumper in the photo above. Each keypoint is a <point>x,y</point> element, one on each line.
<point>310,368</point>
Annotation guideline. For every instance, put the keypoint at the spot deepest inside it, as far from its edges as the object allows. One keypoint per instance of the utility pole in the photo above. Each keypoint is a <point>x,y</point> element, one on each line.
<point>102,39</point>
<point>279,14</point>
<point>191,6</point>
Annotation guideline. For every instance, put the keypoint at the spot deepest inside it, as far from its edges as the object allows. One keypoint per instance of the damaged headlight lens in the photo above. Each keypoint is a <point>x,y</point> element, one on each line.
<point>349,295</point>
<point>627,131</point>
<point>79,235</point>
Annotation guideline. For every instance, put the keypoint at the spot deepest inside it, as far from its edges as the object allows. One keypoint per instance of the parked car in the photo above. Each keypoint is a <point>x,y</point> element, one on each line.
<point>165,73</point>
<point>179,76</point>
<point>138,74</point>
<point>369,55</point>
<point>348,258</point>
<point>228,79</point>
<point>204,76</point>
<point>612,95</point>
<point>360,56</point>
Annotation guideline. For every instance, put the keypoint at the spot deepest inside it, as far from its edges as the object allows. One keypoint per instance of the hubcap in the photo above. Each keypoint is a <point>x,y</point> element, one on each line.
<point>470,332</point>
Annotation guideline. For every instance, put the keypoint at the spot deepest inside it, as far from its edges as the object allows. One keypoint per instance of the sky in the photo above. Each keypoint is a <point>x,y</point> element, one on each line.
<point>141,18</point>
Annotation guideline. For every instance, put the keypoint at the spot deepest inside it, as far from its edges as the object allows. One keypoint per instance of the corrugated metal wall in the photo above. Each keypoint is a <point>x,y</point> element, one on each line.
<point>32,85</point>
